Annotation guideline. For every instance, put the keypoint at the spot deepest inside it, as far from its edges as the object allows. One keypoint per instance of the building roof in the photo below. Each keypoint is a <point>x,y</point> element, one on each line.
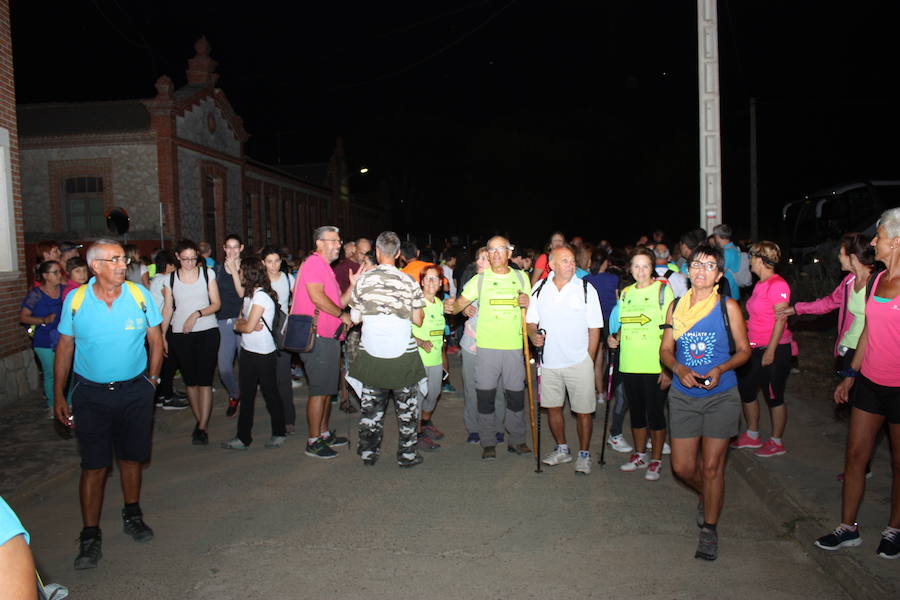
<point>315,173</point>
<point>80,118</point>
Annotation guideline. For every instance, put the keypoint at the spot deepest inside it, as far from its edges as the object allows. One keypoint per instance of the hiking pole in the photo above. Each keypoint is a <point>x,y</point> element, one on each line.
<point>610,392</point>
<point>539,356</point>
<point>528,381</point>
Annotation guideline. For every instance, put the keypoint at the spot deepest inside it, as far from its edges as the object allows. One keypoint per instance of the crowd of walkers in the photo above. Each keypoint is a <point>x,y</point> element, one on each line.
<point>686,336</point>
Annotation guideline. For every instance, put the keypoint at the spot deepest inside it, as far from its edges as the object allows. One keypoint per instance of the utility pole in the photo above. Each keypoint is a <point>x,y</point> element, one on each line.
<point>710,127</point>
<point>754,181</point>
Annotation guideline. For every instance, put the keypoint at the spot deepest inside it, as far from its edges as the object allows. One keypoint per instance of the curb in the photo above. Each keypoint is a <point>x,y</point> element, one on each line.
<point>803,526</point>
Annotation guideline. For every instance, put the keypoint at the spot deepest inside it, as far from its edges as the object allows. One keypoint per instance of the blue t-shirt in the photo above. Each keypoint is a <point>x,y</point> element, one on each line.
<point>109,342</point>
<point>10,526</point>
<point>702,347</point>
<point>41,305</point>
<point>606,285</point>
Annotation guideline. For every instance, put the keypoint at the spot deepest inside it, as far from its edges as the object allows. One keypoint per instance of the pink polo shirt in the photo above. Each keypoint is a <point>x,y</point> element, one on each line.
<point>761,308</point>
<point>315,270</point>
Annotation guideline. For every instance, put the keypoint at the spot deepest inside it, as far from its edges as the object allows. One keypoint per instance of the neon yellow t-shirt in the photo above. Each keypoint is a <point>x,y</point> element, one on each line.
<point>640,337</point>
<point>432,330</point>
<point>499,315</point>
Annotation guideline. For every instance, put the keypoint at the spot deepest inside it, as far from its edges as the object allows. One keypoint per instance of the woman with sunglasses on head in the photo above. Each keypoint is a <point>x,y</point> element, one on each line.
<point>770,360</point>
<point>41,309</point>
<point>191,299</point>
<point>258,359</point>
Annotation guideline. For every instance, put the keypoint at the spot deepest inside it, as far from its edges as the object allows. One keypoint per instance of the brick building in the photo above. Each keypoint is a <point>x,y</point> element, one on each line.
<point>176,163</point>
<point>18,372</point>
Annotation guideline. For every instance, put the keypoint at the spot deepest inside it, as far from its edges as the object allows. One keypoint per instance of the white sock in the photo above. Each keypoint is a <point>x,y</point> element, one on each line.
<point>776,440</point>
<point>563,448</point>
<point>312,441</point>
<point>753,435</point>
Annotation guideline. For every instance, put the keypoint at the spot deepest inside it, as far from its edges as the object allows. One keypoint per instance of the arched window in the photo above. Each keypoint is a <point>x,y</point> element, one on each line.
<point>84,204</point>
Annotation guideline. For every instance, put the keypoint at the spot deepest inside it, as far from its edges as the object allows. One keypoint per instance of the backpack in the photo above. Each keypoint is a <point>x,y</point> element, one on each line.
<point>537,291</point>
<point>744,277</point>
<point>79,294</point>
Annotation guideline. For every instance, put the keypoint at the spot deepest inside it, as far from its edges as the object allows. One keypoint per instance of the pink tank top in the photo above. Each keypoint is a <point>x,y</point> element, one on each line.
<point>882,353</point>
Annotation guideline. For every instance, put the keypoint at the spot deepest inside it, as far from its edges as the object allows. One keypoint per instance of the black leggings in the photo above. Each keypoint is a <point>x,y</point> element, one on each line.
<point>258,369</point>
<point>771,380</point>
<point>646,400</point>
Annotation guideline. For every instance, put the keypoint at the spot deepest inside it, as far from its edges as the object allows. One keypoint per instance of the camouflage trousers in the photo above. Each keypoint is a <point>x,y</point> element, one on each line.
<point>371,422</point>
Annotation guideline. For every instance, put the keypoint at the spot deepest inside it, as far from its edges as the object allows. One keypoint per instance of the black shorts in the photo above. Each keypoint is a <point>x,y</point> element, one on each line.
<point>197,354</point>
<point>877,399</point>
<point>771,379</point>
<point>113,416</point>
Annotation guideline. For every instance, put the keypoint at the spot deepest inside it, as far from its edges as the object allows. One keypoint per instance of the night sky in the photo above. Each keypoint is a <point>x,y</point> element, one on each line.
<point>519,116</point>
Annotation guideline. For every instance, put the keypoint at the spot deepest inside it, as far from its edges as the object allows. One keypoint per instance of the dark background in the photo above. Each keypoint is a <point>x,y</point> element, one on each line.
<point>514,116</point>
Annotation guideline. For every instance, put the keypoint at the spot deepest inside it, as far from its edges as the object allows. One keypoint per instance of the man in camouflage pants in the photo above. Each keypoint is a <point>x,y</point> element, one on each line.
<point>387,302</point>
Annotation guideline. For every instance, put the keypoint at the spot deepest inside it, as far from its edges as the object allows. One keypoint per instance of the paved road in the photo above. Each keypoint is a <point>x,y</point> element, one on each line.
<point>276,524</point>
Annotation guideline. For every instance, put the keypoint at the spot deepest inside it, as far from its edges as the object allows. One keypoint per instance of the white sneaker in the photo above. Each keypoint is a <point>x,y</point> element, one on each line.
<point>618,443</point>
<point>557,457</point>
<point>583,465</point>
<point>666,448</point>
<point>653,470</point>
<point>637,461</point>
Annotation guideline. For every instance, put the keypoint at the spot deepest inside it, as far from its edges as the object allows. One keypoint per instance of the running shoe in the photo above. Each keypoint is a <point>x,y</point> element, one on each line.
<point>427,444</point>
<point>173,403</point>
<point>519,449</point>
<point>276,441</point>
<point>666,448</point>
<point>769,449</point>
<point>199,437</point>
<point>235,444</point>
<point>745,441</point>
<point>653,470</point>
<point>637,461</point>
<point>583,464</point>
<point>232,407</point>
<point>448,387</point>
<point>557,457</point>
<point>320,449</point>
<point>489,453</point>
<point>473,438</point>
<point>839,538</point>
<point>89,552</point>
<point>707,545</point>
<point>134,526</point>
<point>418,460</point>
<point>433,432</point>
<point>334,440</point>
<point>890,544</point>
<point>618,443</point>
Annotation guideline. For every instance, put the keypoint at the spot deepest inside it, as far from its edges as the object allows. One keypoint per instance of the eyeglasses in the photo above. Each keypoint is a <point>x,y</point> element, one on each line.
<point>117,260</point>
<point>51,273</point>
<point>498,250</point>
<point>335,240</point>
<point>431,278</point>
<point>709,266</point>
<point>187,258</point>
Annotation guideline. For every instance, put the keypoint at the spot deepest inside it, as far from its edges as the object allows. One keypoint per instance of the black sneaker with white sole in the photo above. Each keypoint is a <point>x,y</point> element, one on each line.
<point>839,538</point>
<point>334,440</point>
<point>320,449</point>
<point>890,544</point>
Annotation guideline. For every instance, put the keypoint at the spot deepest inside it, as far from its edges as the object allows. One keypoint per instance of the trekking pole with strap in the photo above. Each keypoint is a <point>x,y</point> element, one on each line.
<point>527,353</point>
<point>610,394</point>
<point>539,357</point>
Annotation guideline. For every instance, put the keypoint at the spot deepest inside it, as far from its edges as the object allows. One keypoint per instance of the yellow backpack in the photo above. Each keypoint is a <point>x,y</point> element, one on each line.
<point>78,298</point>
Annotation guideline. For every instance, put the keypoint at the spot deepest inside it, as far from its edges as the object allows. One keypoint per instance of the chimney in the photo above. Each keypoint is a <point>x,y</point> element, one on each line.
<point>202,69</point>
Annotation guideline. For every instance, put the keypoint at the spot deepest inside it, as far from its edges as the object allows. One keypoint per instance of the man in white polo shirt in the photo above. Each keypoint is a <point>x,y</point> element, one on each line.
<point>567,310</point>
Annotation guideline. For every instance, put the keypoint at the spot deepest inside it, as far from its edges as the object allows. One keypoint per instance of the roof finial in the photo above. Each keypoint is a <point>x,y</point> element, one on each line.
<point>202,69</point>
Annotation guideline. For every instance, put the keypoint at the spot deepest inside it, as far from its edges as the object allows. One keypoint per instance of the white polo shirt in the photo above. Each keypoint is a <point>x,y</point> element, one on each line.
<point>566,316</point>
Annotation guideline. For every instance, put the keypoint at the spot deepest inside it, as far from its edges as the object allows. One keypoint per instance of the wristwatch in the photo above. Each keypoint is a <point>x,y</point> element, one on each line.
<point>155,378</point>
<point>848,372</point>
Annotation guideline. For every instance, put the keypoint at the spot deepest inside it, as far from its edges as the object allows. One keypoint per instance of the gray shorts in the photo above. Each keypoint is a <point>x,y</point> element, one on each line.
<point>322,366</point>
<point>714,416</point>
<point>495,366</point>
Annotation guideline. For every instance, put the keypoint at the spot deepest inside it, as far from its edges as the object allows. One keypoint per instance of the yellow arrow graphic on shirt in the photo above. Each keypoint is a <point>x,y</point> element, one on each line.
<point>641,320</point>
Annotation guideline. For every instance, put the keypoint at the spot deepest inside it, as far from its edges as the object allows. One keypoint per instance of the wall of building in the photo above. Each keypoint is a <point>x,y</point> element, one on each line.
<point>204,124</point>
<point>190,173</point>
<point>130,181</point>
<point>18,371</point>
